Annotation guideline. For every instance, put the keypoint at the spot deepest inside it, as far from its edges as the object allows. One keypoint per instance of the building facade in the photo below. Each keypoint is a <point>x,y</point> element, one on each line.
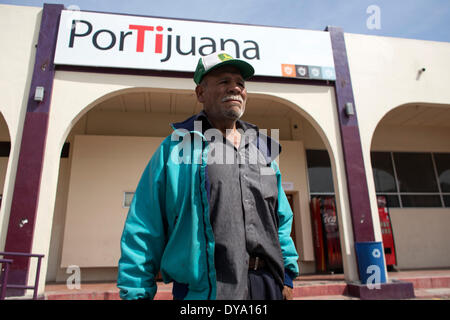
<point>379,115</point>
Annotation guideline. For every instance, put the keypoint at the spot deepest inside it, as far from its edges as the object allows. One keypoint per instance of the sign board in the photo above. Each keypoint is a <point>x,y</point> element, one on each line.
<point>288,186</point>
<point>122,41</point>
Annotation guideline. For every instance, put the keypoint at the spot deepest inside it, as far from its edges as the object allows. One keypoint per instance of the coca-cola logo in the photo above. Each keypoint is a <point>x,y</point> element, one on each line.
<point>329,219</point>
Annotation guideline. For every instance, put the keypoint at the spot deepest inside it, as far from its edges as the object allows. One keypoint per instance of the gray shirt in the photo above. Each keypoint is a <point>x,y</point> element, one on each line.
<point>243,210</point>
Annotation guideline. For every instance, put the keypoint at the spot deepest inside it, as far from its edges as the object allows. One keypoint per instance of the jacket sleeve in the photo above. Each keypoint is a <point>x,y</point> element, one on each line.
<point>288,250</point>
<point>144,236</point>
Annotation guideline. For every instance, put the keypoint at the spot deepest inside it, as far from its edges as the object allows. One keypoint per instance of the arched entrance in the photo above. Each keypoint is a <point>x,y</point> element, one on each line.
<point>410,155</point>
<point>109,145</point>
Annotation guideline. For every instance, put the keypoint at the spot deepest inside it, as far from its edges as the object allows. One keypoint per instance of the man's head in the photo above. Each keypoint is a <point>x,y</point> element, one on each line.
<point>221,86</point>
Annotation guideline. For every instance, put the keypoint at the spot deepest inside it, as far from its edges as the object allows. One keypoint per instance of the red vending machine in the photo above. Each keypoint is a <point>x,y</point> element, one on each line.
<point>386,231</point>
<point>327,245</point>
<point>319,248</point>
<point>332,241</point>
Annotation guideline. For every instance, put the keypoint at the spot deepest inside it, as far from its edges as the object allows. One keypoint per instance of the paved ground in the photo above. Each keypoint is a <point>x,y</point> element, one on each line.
<point>428,284</point>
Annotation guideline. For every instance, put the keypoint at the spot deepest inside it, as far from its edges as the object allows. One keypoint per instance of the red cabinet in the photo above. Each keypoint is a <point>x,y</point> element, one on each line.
<point>386,231</point>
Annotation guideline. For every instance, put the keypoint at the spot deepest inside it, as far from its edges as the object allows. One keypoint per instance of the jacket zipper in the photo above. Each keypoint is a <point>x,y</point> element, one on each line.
<point>204,229</point>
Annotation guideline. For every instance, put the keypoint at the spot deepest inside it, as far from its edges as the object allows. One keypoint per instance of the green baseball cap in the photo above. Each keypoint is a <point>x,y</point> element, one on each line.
<point>218,59</point>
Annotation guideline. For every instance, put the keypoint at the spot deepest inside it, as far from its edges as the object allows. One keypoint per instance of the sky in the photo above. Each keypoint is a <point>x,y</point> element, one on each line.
<point>414,19</point>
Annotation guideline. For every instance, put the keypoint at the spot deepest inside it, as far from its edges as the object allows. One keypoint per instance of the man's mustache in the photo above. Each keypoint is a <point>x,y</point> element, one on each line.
<point>232,97</point>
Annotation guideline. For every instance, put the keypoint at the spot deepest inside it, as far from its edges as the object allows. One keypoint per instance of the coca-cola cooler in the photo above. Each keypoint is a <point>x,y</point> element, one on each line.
<point>327,247</point>
<point>319,246</point>
<point>386,232</point>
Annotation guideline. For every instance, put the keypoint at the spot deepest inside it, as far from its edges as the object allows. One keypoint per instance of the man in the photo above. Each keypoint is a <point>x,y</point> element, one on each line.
<point>209,211</point>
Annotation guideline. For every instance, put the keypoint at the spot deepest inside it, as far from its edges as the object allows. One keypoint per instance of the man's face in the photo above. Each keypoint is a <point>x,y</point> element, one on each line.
<point>223,94</point>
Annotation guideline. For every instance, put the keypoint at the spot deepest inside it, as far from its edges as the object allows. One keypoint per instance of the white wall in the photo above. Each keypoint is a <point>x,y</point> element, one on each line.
<point>19,27</point>
<point>384,74</point>
<point>59,218</point>
<point>292,162</point>
<point>421,237</point>
<point>103,168</point>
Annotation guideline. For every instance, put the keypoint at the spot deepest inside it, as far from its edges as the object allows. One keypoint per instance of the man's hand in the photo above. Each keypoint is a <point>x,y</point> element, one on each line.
<point>288,293</point>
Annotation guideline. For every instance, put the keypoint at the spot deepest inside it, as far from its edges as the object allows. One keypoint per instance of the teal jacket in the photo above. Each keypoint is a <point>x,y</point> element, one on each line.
<point>167,228</point>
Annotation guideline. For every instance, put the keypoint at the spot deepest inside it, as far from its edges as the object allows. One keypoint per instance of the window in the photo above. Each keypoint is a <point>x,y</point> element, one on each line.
<point>5,148</point>
<point>319,173</point>
<point>415,172</point>
<point>412,179</point>
<point>443,170</point>
<point>406,179</point>
<point>384,176</point>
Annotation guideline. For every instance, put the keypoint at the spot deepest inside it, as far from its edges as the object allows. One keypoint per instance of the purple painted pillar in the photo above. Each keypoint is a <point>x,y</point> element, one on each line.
<point>351,143</point>
<point>26,189</point>
<point>355,172</point>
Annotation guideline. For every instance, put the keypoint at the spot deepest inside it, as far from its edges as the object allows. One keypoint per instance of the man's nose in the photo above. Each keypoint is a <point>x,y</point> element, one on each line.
<point>234,88</point>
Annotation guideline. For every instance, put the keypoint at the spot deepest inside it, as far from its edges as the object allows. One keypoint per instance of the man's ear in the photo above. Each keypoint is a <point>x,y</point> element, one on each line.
<point>199,90</point>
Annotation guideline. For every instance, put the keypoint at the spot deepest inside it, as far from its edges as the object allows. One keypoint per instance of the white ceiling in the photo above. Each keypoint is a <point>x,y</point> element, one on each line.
<point>186,103</point>
<point>418,115</point>
<point>183,103</point>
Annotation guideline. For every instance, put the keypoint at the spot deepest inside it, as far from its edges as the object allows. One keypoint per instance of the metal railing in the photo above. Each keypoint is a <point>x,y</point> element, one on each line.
<point>5,263</point>
<point>4,275</point>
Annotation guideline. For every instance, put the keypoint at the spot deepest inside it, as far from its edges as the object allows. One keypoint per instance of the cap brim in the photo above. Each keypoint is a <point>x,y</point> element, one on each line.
<point>245,68</point>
